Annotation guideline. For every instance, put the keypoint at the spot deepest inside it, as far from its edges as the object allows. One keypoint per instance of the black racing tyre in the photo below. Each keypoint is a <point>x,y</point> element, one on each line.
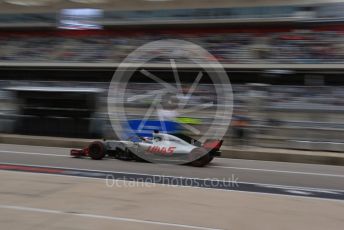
<point>97,150</point>
<point>201,162</point>
<point>203,159</point>
<point>211,158</point>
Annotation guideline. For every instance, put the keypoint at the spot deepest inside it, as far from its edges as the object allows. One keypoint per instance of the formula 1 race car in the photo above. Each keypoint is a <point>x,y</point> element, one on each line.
<point>161,148</point>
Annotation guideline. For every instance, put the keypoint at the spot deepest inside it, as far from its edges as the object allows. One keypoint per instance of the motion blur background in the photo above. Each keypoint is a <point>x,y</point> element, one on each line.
<point>284,59</point>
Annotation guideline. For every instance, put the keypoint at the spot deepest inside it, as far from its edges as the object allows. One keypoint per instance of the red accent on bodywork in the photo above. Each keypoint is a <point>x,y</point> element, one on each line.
<point>79,152</point>
<point>161,150</point>
<point>170,150</point>
<point>213,144</point>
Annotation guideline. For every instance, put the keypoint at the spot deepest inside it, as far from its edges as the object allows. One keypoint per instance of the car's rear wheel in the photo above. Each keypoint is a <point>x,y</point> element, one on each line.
<point>211,158</point>
<point>97,150</point>
<point>201,157</point>
<point>201,162</point>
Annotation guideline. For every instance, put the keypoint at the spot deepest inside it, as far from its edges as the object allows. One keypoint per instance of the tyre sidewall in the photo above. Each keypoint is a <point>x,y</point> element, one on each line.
<point>97,150</point>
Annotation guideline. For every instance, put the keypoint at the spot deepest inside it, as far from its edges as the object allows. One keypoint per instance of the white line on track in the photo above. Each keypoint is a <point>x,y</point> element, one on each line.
<point>285,187</point>
<point>31,153</point>
<point>94,216</point>
<point>223,167</point>
<point>35,146</point>
<point>299,192</point>
<point>192,178</point>
<point>279,171</point>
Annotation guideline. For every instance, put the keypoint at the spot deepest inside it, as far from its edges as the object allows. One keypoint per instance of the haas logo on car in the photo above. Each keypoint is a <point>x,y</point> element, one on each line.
<point>161,150</point>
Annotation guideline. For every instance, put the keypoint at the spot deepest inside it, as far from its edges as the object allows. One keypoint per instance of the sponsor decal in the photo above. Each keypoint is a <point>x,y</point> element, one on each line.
<point>161,150</point>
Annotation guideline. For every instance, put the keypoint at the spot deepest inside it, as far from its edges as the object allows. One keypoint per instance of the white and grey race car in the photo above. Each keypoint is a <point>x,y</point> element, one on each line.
<point>160,148</point>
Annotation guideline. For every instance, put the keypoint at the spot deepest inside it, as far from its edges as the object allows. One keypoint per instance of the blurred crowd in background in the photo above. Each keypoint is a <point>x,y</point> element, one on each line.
<point>296,46</point>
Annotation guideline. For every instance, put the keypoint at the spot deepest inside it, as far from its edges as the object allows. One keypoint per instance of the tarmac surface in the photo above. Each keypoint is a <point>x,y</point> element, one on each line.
<point>42,187</point>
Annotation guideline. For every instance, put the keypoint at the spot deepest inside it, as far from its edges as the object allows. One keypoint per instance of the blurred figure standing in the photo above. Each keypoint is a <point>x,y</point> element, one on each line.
<point>256,102</point>
<point>240,124</point>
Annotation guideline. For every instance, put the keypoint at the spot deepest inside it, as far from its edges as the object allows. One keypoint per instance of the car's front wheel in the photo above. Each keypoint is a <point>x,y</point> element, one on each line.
<point>97,150</point>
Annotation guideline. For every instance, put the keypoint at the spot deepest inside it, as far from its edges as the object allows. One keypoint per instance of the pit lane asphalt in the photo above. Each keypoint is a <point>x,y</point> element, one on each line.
<point>298,179</point>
